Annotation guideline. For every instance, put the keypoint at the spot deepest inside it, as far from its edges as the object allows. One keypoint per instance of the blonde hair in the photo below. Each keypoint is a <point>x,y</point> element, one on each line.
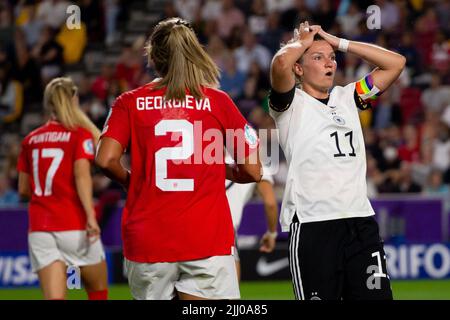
<point>180,60</point>
<point>58,102</point>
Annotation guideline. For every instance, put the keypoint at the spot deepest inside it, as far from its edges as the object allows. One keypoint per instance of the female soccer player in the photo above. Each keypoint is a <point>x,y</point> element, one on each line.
<point>177,229</point>
<point>335,248</point>
<point>54,172</point>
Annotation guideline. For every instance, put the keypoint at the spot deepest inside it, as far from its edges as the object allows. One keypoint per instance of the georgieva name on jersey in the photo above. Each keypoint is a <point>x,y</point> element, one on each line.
<point>325,152</point>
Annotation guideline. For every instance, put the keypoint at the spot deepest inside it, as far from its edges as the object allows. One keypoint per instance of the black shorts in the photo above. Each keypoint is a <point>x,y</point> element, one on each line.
<point>338,259</point>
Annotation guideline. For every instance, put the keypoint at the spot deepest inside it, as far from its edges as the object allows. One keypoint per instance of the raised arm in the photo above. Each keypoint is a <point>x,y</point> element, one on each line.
<point>282,76</point>
<point>389,64</point>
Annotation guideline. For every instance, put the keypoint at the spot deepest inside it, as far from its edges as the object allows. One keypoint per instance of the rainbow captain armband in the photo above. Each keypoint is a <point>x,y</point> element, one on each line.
<point>366,89</point>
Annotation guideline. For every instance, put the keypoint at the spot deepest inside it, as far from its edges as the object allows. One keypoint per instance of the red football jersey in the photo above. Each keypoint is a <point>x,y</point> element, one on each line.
<point>176,208</point>
<point>48,155</point>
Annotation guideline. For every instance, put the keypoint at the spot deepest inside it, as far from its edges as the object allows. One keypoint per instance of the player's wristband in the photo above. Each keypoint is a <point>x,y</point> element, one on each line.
<point>343,45</point>
<point>273,235</point>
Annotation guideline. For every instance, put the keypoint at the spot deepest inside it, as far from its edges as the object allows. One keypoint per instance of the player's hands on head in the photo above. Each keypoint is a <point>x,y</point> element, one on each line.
<point>92,229</point>
<point>305,33</point>
<point>332,40</point>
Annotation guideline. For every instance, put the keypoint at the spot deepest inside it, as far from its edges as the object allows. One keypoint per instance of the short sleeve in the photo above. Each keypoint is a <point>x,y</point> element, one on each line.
<point>117,124</point>
<point>22,162</point>
<point>84,146</point>
<point>241,139</point>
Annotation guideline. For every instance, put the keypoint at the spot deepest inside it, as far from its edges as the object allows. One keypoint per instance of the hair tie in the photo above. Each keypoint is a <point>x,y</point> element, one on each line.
<point>180,22</point>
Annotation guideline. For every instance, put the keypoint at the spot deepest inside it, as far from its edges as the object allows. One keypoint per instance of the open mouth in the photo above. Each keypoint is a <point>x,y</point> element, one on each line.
<point>329,74</point>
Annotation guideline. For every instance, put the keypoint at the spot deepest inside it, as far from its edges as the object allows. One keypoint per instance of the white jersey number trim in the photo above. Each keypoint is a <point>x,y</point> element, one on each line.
<point>57,155</point>
<point>174,153</point>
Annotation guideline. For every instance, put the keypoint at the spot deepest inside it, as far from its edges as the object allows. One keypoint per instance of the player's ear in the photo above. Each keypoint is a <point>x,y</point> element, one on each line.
<point>298,70</point>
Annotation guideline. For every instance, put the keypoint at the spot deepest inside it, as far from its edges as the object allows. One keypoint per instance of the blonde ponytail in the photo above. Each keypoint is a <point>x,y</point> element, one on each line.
<point>58,101</point>
<point>181,60</point>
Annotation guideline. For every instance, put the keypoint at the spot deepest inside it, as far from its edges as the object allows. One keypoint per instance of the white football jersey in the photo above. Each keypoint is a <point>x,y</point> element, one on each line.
<point>325,153</point>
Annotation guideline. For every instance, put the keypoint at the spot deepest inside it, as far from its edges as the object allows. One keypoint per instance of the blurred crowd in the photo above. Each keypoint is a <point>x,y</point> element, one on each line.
<point>407,131</point>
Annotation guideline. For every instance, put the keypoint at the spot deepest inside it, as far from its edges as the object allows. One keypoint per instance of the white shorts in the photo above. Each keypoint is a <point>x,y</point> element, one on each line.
<point>211,278</point>
<point>71,247</point>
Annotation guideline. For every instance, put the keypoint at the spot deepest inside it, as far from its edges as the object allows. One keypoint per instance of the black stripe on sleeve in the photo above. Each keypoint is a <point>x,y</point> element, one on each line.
<point>360,103</point>
<point>281,101</point>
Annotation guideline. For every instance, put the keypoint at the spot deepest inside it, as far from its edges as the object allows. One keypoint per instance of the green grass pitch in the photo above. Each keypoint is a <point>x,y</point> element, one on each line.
<point>262,290</point>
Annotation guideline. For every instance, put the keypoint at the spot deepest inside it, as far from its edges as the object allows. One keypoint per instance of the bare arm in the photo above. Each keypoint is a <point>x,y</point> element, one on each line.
<point>24,186</point>
<point>83,183</point>
<point>108,158</point>
<point>267,193</point>
<point>389,64</point>
<point>282,77</point>
<point>249,171</point>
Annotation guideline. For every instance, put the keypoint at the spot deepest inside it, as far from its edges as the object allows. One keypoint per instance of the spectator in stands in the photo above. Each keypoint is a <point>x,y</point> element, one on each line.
<point>128,67</point>
<point>53,12</point>
<point>374,177</point>
<point>409,151</point>
<point>435,184</point>
<point>389,14</point>
<point>11,96</point>
<point>49,53</point>
<point>349,21</point>
<point>408,49</point>
<point>6,25</point>
<point>296,13</point>
<point>230,17</point>
<point>424,35</point>
<point>93,18</point>
<point>102,82</point>
<point>232,80</point>
<point>8,196</point>
<point>112,11</point>
<point>441,148</point>
<point>32,26</point>
<point>211,10</point>
<point>250,51</point>
<point>443,12</point>
<point>218,51</point>
<point>271,37</point>
<point>385,113</point>
<point>405,182</point>
<point>324,15</point>
<point>257,20</point>
<point>440,55</point>
<point>437,96</point>
<point>73,42</point>
<point>27,71</point>
<point>187,9</point>
<point>278,5</point>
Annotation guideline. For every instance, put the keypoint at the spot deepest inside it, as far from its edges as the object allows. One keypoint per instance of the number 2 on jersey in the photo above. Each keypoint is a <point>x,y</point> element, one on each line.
<point>174,153</point>
<point>57,155</point>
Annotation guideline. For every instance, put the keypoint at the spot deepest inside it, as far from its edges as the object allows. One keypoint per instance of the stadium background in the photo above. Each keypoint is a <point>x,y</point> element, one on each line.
<point>406,131</point>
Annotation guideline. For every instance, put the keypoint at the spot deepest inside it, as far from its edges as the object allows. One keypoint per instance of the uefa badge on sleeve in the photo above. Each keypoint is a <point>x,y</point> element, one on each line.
<point>250,136</point>
<point>88,146</point>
